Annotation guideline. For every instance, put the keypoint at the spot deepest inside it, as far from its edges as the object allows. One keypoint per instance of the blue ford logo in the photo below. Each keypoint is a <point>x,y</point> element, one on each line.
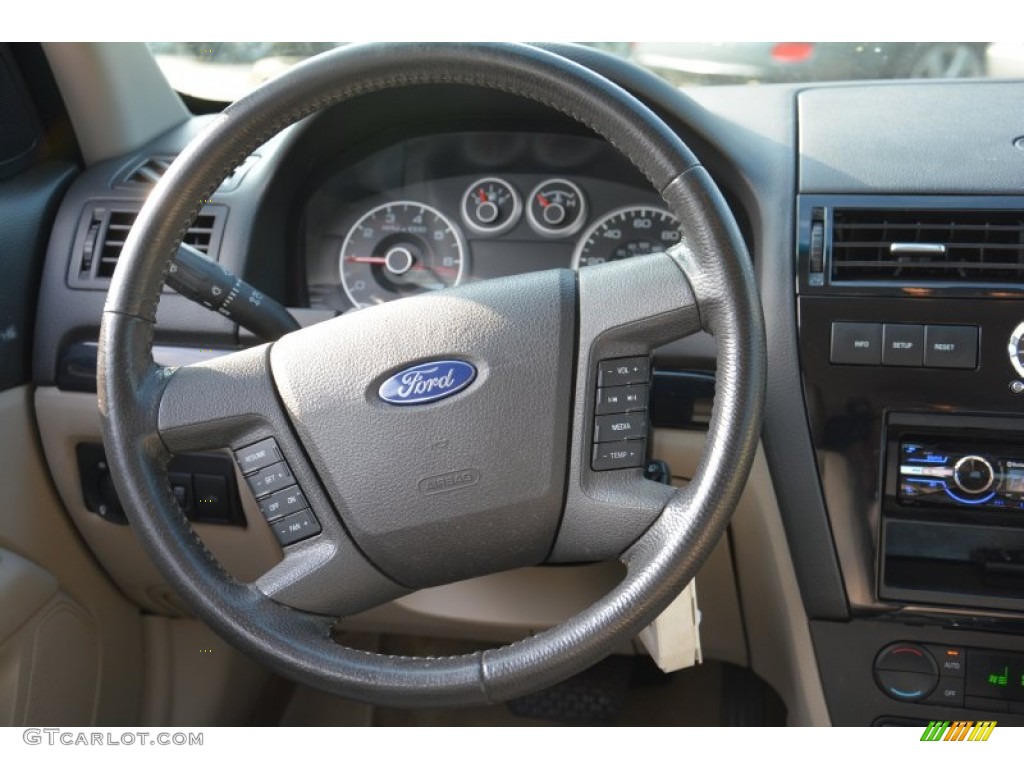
<point>427,382</point>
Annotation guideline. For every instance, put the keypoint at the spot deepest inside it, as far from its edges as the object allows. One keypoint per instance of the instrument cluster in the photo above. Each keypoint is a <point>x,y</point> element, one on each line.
<point>434,227</point>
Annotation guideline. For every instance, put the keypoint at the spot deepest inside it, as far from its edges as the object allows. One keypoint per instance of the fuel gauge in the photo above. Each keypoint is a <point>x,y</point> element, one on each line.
<point>556,208</point>
<point>491,206</point>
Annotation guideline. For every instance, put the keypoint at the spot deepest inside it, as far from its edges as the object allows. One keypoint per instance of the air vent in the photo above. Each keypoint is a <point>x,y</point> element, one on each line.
<point>148,172</point>
<point>151,169</point>
<point>927,245</point>
<point>105,229</point>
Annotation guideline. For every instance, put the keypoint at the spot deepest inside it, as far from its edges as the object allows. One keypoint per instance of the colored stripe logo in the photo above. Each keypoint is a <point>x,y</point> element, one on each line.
<point>960,730</point>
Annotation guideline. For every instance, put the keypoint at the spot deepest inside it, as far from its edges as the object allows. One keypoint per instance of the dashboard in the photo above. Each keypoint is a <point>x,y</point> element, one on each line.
<point>887,336</point>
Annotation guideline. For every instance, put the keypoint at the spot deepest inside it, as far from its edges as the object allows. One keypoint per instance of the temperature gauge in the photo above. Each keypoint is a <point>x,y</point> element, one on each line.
<point>557,208</point>
<point>491,206</point>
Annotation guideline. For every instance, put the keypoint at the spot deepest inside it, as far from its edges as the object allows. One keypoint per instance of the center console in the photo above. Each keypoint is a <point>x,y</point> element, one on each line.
<point>910,328</point>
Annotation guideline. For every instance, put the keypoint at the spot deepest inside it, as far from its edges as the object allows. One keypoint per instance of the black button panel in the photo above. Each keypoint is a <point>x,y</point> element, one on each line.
<point>620,407</point>
<point>203,484</point>
<point>904,345</point>
<point>281,500</point>
<point>211,496</point>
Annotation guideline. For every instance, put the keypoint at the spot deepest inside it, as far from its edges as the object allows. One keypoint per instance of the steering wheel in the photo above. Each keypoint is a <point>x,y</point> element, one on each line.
<point>500,470</point>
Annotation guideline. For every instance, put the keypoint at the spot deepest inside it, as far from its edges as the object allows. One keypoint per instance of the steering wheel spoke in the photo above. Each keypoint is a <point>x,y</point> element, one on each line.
<point>627,309</point>
<point>231,402</point>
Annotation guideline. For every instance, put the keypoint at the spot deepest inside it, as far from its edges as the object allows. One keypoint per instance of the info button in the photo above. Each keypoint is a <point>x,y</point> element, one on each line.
<point>856,343</point>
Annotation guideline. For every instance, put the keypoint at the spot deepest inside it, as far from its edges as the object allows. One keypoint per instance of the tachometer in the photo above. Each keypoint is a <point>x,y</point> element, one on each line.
<point>398,249</point>
<point>625,232</point>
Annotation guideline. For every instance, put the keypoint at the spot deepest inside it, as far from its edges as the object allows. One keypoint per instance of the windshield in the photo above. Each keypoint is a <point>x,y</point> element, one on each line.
<point>223,72</point>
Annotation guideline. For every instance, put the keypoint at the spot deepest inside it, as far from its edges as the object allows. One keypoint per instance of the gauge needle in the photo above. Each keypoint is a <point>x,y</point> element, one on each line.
<point>483,196</point>
<point>542,200</point>
<point>366,259</point>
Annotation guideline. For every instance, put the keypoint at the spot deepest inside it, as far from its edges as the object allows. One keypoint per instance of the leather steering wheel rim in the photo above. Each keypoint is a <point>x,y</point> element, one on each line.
<point>712,257</point>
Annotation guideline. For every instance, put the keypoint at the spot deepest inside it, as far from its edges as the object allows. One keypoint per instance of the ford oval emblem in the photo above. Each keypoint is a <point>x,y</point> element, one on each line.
<point>427,382</point>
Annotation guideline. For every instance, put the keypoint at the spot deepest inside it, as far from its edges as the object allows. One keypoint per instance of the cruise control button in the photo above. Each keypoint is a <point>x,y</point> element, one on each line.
<point>620,426</point>
<point>856,344</point>
<point>626,370</point>
<point>903,345</point>
<point>258,455</point>
<point>621,399</point>
<point>283,503</point>
<point>951,346</point>
<point>623,455</point>
<point>297,527</point>
<point>270,479</point>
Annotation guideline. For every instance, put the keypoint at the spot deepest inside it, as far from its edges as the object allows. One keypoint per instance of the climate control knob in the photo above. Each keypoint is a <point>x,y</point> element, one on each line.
<point>973,474</point>
<point>906,671</point>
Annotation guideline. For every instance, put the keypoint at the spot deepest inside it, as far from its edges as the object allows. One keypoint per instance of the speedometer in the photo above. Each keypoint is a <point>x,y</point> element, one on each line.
<point>624,232</point>
<point>398,249</point>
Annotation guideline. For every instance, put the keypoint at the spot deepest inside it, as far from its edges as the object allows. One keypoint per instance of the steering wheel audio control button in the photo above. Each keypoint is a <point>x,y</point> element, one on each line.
<point>620,426</point>
<point>626,370</point>
<point>621,399</point>
<point>270,479</point>
<point>620,407</point>
<point>621,455</point>
<point>258,455</point>
<point>282,503</point>
<point>295,528</point>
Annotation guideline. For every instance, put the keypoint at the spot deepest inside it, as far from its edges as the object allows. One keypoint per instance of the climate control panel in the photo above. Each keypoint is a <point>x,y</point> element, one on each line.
<point>952,676</point>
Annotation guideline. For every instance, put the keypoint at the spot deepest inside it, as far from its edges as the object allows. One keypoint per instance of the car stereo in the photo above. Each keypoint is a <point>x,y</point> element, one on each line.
<point>961,473</point>
<point>952,510</point>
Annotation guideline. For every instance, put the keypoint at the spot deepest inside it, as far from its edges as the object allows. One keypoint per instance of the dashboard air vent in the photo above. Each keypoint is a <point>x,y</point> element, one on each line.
<point>105,229</point>
<point>151,169</point>
<point>927,245</point>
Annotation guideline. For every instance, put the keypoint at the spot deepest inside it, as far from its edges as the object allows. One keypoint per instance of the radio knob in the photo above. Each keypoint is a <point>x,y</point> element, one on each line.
<point>1015,349</point>
<point>973,474</point>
